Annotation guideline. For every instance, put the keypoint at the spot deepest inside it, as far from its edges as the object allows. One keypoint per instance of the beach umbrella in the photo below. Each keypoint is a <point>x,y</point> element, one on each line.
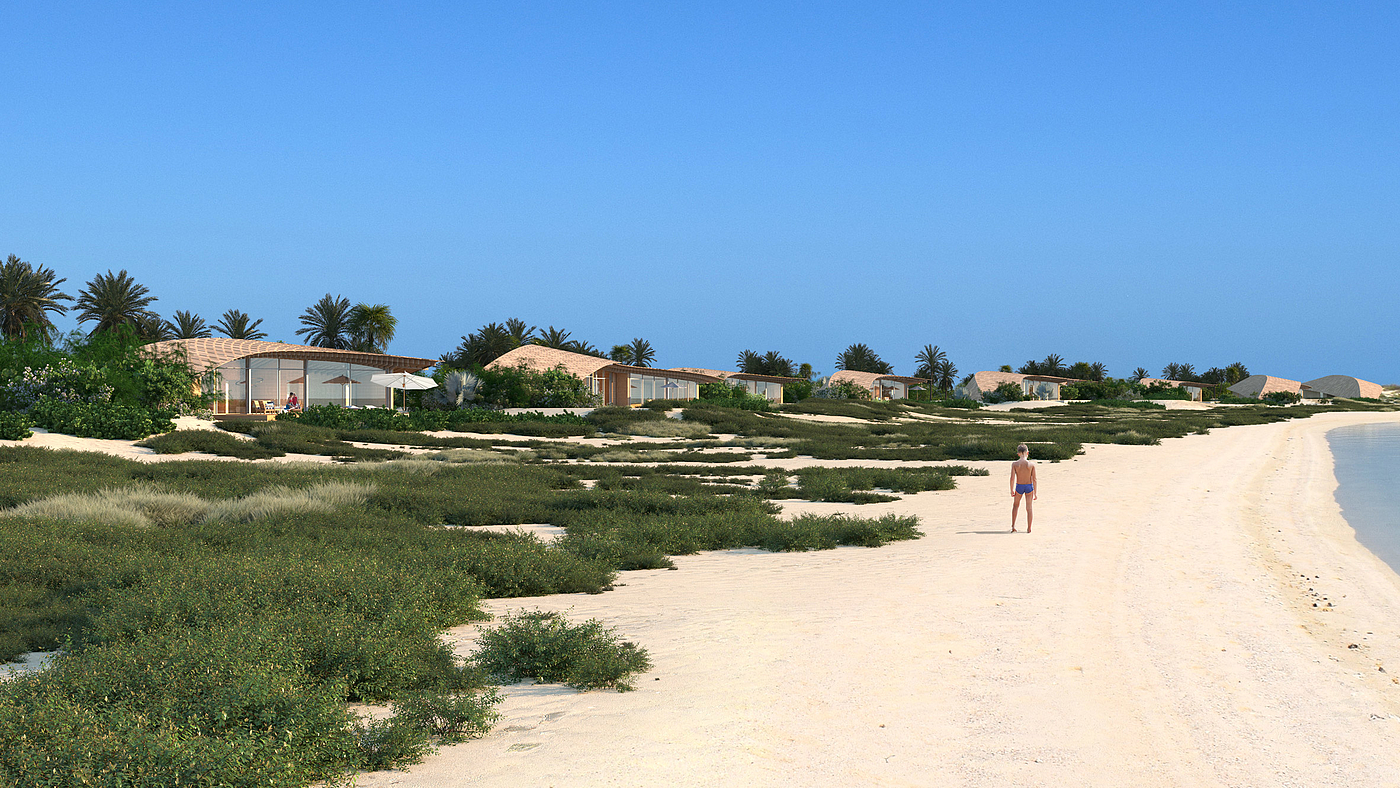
<point>344,381</point>
<point>403,380</point>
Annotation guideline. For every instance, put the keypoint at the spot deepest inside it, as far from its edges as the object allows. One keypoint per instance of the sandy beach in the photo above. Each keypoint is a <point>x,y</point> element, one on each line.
<point>1159,628</point>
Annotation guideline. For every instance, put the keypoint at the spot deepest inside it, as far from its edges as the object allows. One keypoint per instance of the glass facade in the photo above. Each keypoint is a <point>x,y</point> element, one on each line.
<point>246,381</point>
<point>642,388</point>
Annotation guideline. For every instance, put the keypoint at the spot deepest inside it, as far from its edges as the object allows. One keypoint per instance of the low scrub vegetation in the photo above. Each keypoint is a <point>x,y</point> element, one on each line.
<point>545,647</point>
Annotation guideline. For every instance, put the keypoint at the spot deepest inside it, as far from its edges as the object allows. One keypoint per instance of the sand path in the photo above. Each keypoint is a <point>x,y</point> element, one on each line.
<point>1154,631</point>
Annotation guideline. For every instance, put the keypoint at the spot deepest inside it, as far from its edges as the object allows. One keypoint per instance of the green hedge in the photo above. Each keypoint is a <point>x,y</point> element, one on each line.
<point>341,418</point>
<point>99,419</point>
<point>14,426</point>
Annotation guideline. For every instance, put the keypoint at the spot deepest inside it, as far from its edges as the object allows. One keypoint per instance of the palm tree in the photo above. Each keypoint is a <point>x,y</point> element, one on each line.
<point>1098,371</point>
<point>774,363</point>
<point>481,347</point>
<point>642,354</point>
<point>237,325</point>
<point>151,327</point>
<point>188,325</point>
<point>327,323</point>
<point>1079,370</point>
<point>622,354</point>
<point>945,375</point>
<point>804,371</point>
<point>587,349</point>
<point>27,296</point>
<point>1172,371</point>
<point>1053,364</point>
<point>371,327</point>
<point>750,362</point>
<point>1030,368</point>
<point>556,338</point>
<point>1187,372</point>
<point>114,300</point>
<point>928,360</point>
<point>860,358</point>
<point>1235,373</point>
<point>520,332</point>
<point>1139,374</point>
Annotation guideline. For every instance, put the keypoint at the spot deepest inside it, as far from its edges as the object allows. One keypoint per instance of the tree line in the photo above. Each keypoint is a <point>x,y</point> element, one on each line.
<point>30,296</point>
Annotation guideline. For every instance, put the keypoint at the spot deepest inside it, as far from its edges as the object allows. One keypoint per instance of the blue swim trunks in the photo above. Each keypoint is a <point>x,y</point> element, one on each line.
<point>1022,489</point>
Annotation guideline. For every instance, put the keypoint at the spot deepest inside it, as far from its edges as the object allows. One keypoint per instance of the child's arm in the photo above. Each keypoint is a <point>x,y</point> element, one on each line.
<point>1013,478</point>
<point>1035,483</point>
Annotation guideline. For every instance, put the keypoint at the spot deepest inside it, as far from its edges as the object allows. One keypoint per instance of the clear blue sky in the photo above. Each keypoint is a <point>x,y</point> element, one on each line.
<point>1201,182</point>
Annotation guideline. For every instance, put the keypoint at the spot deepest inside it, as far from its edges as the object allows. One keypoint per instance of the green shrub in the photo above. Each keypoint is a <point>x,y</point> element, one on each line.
<point>1282,398</point>
<point>209,442</point>
<point>98,419</point>
<point>1163,391</point>
<point>797,390</point>
<point>617,419</point>
<point>14,426</point>
<point>721,394</point>
<point>1006,392</point>
<point>545,647</point>
<point>964,403</point>
<point>390,744</point>
<point>451,718</point>
<point>667,428</point>
<point>522,387</point>
<point>842,390</point>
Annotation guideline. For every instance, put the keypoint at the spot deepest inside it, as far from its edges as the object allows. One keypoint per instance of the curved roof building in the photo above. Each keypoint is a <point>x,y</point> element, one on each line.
<point>1259,385</point>
<point>252,376</point>
<point>1345,386</point>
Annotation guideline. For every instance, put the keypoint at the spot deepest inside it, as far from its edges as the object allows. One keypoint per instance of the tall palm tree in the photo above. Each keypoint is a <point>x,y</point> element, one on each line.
<point>372,327</point>
<point>945,375</point>
<point>1098,370</point>
<point>327,323</point>
<point>1052,364</point>
<point>860,358</point>
<point>1187,372</point>
<point>1080,370</point>
<point>928,360</point>
<point>151,327</point>
<point>1031,368</point>
<point>556,338</point>
<point>188,325</point>
<point>1235,373</point>
<point>237,325</point>
<point>520,332</point>
<point>27,296</point>
<point>622,354</point>
<point>749,361</point>
<point>642,353</point>
<point>774,363</point>
<point>586,348</point>
<point>114,300</point>
<point>1139,374</point>
<point>1172,371</point>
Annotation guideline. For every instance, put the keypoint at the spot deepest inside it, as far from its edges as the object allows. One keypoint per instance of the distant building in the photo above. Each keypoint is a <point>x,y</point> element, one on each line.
<point>1032,386</point>
<point>1257,386</point>
<point>880,386</point>
<point>251,376</point>
<point>614,383</point>
<point>1345,386</point>
<point>1192,388</point>
<point>769,387</point>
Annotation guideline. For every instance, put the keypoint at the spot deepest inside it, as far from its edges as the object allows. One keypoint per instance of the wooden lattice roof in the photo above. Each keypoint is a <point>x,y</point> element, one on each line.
<point>206,354</point>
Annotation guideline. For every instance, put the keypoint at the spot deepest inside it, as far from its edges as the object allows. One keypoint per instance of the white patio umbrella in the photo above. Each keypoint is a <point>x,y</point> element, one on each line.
<point>403,380</point>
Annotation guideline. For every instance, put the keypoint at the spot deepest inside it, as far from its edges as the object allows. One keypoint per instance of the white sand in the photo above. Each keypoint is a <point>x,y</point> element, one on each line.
<point>1153,631</point>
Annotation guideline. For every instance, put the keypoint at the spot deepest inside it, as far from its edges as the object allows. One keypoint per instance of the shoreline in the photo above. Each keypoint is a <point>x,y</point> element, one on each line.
<point>1156,629</point>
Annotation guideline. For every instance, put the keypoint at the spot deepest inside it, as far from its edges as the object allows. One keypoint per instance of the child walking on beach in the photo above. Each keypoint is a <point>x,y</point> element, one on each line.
<point>1023,483</point>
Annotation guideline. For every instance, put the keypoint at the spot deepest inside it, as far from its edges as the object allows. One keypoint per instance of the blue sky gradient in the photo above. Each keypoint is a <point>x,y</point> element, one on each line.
<point>1196,182</point>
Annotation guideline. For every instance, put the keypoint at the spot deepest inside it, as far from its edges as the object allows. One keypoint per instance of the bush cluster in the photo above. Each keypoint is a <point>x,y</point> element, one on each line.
<point>99,419</point>
<point>14,426</point>
<point>721,394</point>
<point>462,420</point>
<point>1006,392</point>
<point>545,647</point>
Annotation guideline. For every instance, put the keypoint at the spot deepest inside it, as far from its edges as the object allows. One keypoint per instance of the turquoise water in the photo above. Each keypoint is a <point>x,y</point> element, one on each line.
<point>1367,458</point>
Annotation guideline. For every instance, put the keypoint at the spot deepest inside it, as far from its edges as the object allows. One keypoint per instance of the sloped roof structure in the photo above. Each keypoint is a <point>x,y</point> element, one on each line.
<point>542,359</point>
<point>1173,383</point>
<point>868,379</point>
<point>208,353</point>
<point>720,373</point>
<point>1259,385</point>
<point>1345,386</point>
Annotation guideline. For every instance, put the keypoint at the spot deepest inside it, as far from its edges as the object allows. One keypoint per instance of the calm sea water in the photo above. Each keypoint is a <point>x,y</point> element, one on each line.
<point>1368,485</point>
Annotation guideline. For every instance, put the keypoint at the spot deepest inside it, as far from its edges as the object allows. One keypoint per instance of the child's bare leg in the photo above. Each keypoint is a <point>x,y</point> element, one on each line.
<point>1029,514</point>
<point>1015,506</point>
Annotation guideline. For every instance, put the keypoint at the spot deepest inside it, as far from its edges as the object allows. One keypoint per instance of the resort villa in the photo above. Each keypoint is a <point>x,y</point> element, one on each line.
<point>1032,386</point>
<point>879,386</point>
<point>769,387</point>
<point>254,377</point>
<point>614,383</point>
<point>1259,385</point>
<point>1345,386</point>
<point>1196,390</point>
